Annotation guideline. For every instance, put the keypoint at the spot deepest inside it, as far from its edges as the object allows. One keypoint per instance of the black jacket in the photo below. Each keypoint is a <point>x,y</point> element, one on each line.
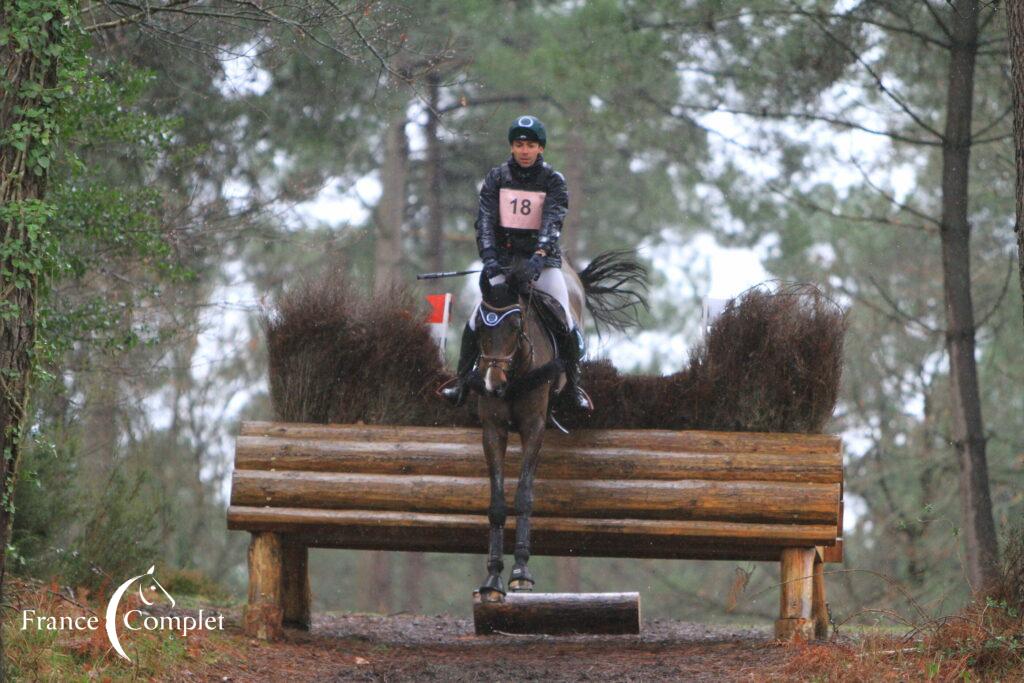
<point>492,238</point>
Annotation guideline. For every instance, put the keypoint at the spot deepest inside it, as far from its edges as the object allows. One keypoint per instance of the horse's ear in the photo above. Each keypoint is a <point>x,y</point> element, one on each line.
<point>151,569</point>
<point>485,286</point>
<point>515,277</point>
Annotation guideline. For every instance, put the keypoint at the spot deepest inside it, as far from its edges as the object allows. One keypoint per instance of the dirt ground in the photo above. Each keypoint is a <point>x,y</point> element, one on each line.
<point>443,648</point>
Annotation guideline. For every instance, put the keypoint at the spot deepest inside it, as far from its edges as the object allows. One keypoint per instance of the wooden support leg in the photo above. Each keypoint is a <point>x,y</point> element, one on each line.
<point>819,612</point>
<point>264,614</point>
<point>794,621</point>
<point>295,588</point>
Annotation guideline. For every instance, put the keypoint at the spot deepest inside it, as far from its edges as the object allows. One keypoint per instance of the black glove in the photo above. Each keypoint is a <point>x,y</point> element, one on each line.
<point>534,266</point>
<point>492,268</point>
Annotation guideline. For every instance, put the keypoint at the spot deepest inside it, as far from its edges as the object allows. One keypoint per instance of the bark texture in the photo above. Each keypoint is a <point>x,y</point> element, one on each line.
<point>18,183</point>
<point>1015,22</point>
<point>967,425</point>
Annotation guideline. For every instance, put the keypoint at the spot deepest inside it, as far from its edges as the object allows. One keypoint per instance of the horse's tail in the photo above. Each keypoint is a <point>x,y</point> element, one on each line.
<point>615,287</point>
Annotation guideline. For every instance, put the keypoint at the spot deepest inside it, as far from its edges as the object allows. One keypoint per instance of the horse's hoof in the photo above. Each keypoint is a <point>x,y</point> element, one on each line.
<point>493,589</point>
<point>491,595</point>
<point>520,581</point>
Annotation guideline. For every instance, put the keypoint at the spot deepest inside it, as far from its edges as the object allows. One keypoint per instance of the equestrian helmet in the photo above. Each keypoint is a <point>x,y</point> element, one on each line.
<point>528,128</point>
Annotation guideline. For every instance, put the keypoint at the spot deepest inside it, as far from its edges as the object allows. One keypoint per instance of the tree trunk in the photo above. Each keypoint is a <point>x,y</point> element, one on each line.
<point>575,164</point>
<point>968,428</point>
<point>1015,23</point>
<point>435,217</point>
<point>20,185</point>
<point>393,201</point>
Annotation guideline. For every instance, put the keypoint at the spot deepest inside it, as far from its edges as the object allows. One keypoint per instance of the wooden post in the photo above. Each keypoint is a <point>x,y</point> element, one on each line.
<point>263,615</point>
<point>819,611</point>
<point>558,613</point>
<point>794,622</point>
<point>295,586</point>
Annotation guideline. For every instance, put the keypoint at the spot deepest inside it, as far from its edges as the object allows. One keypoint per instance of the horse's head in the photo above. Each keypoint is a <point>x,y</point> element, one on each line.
<point>499,327</point>
<point>149,584</point>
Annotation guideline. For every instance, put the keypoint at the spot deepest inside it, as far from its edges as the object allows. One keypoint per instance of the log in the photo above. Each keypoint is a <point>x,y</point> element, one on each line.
<point>368,529</point>
<point>797,569</point>
<point>819,606</point>
<point>264,615</point>
<point>692,441</point>
<point>295,598</point>
<point>762,502</point>
<point>558,613</point>
<point>558,462</point>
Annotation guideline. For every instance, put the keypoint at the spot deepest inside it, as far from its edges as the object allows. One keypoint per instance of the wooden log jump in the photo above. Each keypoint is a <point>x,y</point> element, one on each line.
<point>603,493</point>
<point>558,613</point>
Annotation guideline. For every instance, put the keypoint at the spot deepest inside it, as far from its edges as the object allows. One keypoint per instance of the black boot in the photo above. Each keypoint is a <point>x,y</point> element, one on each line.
<point>458,390</point>
<point>571,349</point>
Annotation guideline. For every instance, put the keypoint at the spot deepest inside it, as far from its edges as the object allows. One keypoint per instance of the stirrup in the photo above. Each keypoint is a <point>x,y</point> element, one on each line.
<point>581,398</point>
<point>452,391</point>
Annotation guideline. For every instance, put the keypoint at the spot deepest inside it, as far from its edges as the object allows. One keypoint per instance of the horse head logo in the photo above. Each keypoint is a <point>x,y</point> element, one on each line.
<point>147,584</point>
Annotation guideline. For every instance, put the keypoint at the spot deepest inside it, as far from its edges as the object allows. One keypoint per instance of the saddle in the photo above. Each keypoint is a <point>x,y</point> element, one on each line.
<point>551,313</point>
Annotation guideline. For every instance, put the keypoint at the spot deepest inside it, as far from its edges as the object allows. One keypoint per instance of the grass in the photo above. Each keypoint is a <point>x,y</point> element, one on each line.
<point>86,655</point>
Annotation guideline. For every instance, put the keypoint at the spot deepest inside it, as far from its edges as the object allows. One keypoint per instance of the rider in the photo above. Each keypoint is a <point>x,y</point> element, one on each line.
<point>522,205</point>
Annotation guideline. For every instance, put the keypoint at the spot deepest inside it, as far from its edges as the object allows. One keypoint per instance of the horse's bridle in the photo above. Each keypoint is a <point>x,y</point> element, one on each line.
<point>504,363</point>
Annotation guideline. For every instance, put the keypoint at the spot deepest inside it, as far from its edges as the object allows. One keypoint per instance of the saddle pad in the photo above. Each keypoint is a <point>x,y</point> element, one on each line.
<point>520,209</point>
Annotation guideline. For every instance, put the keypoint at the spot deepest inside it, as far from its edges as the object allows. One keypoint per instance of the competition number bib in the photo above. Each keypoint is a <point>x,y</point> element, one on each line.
<point>520,209</point>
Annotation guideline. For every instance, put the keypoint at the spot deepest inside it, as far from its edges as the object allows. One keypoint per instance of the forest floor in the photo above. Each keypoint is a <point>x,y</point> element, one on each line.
<point>361,647</point>
<point>407,647</point>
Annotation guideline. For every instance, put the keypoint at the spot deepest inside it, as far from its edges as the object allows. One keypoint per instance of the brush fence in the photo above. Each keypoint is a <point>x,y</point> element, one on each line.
<point>599,493</point>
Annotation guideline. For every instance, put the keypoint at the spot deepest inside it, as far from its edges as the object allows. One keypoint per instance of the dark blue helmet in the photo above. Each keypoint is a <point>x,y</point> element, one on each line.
<point>528,128</point>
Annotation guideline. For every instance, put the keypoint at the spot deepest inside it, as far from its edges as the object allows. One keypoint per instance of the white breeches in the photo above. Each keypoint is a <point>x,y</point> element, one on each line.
<point>551,281</point>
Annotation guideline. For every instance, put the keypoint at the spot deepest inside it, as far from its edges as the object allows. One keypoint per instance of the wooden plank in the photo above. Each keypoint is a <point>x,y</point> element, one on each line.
<point>363,529</point>
<point>709,500</point>
<point>834,553</point>
<point>648,439</point>
<point>557,461</point>
<point>541,543</point>
<point>558,613</point>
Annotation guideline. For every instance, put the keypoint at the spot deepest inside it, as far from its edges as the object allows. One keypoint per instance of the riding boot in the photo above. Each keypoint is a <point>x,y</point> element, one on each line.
<point>571,348</point>
<point>458,392</point>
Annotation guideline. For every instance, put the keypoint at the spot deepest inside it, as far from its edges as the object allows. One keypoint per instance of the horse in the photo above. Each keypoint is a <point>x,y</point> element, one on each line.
<point>518,374</point>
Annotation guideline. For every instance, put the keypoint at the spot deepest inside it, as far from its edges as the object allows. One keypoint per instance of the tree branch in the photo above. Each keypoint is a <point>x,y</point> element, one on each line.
<point>906,207</point>
<point>877,79</point>
<point>765,114</point>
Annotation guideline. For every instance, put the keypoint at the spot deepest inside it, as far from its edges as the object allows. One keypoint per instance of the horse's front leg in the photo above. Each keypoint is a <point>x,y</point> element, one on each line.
<point>495,444</point>
<point>532,435</point>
